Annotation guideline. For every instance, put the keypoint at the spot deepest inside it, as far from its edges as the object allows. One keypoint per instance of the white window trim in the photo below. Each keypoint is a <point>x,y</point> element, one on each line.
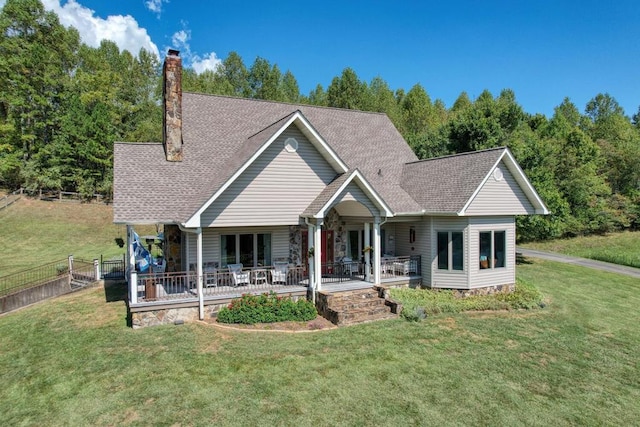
<point>255,247</point>
<point>449,269</point>
<point>491,266</point>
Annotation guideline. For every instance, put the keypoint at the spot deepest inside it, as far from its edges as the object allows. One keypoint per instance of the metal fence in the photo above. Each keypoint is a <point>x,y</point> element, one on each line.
<point>113,268</point>
<point>33,276</point>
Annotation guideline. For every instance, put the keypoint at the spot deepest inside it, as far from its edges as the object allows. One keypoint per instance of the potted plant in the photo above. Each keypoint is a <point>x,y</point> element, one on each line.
<point>311,252</point>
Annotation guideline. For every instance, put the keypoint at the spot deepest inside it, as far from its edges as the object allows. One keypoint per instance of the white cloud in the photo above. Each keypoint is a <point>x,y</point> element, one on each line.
<point>180,40</point>
<point>155,6</point>
<point>209,62</point>
<point>123,30</point>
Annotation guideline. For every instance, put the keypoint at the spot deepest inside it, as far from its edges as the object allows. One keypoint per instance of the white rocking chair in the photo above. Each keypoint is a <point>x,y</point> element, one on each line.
<point>238,276</point>
<point>279,272</point>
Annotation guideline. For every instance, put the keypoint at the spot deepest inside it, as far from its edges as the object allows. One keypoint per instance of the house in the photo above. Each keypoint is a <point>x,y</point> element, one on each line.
<point>328,196</point>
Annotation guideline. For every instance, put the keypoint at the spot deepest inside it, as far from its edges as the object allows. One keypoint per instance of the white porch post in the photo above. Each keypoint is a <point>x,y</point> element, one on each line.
<point>376,250</point>
<point>186,253</point>
<point>317,256</point>
<point>367,254</point>
<point>131,267</point>
<point>199,255</point>
<point>311,261</point>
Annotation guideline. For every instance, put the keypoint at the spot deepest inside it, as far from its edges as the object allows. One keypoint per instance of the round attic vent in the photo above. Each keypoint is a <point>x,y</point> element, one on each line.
<point>497,174</point>
<point>291,145</point>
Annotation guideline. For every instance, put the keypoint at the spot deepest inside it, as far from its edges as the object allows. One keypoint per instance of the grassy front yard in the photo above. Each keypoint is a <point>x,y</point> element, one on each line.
<point>74,361</point>
<point>36,232</point>
<point>618,248</point>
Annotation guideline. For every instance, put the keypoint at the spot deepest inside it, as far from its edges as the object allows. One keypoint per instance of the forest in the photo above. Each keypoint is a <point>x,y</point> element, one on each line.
<point>63,104</point>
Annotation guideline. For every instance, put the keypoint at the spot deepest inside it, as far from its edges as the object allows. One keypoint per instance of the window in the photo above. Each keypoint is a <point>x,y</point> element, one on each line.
<point>251,250</point>
<point>493,246</point>
<point>450,250</point>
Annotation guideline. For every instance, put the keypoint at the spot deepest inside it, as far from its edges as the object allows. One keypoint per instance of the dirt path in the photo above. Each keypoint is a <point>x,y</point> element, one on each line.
<point>590,263</point>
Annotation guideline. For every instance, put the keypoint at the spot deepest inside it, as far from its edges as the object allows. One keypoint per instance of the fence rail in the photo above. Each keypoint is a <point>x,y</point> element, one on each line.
<point>52,196</point>
<point>112,268</point>
<point>9,199</point>
<point>34,276</point>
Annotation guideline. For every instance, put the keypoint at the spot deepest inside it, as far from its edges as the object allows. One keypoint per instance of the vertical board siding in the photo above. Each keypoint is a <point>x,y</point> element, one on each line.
<point>275,189</point>
<point>211,242</point>
<point>498,276</point>
<point>445,278</point>
<point>504,197</point>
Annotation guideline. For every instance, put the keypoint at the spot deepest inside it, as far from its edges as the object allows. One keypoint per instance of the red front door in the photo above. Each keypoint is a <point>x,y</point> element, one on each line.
<point>326,245</point>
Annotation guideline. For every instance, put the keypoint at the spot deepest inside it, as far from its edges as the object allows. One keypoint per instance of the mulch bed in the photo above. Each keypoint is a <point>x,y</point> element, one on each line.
<point>317,324</point>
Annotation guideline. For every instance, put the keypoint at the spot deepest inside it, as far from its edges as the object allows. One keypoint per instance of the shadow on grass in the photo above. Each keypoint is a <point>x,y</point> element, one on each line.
<point>521,259</point>
<point>115,291</point>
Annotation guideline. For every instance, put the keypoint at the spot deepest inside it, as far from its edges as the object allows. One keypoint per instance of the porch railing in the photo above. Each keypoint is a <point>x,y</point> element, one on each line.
<point>390,267</point>
<point>184,285</point>
<point>218,282</point>
<point>400,266</point>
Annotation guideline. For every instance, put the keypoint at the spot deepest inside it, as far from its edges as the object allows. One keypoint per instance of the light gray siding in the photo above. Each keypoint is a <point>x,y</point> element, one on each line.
<point>501,197</point>
<point>420,246</point>
<point>446,278</point>
<point>492,276</point>
<point>275,189</point>
<point>211,242</point>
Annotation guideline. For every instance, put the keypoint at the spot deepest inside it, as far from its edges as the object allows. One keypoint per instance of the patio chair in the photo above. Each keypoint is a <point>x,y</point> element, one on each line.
<point>210,272</point>
<point>349,266</point>
<point>279,272</point>
<point>238,276</point>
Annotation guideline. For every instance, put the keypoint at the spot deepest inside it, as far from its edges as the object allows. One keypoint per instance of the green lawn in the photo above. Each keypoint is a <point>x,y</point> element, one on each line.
<point>36,232</point>
<point>618,248</point>
<point>73,361</point>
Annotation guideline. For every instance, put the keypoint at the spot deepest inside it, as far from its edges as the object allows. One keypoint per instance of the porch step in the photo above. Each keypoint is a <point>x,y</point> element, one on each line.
<point>352,307</point>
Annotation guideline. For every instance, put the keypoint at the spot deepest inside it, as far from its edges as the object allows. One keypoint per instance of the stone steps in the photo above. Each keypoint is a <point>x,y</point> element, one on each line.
<point>352,307</point>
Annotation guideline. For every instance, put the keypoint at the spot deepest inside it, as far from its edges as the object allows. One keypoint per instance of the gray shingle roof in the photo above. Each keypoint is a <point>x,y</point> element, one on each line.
<point>221,133</point>
<point>325,195</point>
<point>445,184</point>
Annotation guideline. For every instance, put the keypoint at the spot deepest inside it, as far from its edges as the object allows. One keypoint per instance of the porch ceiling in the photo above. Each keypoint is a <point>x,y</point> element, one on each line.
<point>352,208</point>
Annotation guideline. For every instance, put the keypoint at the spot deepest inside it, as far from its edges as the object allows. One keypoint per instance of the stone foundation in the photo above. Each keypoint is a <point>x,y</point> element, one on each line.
<point>170,316</point>
<point>489,290</point>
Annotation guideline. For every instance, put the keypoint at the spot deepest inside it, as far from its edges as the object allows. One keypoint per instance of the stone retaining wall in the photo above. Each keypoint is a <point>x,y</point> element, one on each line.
<point>489,290</point>
<point>55,287</point>
<point>144,317</point>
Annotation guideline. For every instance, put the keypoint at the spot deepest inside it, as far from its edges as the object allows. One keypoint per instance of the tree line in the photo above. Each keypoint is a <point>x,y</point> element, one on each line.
<point>63,104</point>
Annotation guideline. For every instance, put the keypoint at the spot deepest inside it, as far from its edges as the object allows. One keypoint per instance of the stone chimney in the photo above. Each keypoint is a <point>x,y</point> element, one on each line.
<point>172,104</point>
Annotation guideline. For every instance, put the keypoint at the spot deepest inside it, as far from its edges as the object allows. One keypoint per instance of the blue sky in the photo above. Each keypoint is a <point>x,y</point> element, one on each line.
<point>543,50</point>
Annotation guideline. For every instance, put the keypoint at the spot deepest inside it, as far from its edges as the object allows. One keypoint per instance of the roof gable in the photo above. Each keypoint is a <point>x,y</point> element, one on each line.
<point>327,198</point>
<point>523,201</point>
<point>258,143</point>
<point>448,185</point>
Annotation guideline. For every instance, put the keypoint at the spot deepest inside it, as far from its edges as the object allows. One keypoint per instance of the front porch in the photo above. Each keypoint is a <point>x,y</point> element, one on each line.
<point>176,288</point>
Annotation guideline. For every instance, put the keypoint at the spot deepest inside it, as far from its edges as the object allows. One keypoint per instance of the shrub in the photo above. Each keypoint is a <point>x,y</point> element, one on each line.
<point>266,308</point>
<point>418,303</point>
